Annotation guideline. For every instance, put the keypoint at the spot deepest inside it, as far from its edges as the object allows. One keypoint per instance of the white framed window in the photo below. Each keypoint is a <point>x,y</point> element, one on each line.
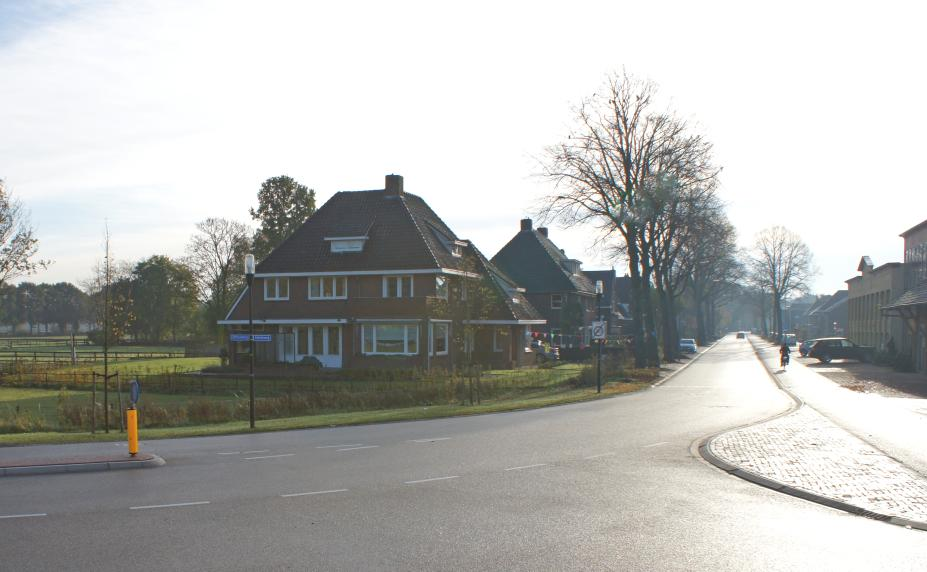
<point>276,288</point>
<point>500,339</point>
<point>556,301</point>
<point>440,338</point>
<point>390,339</point>
<point>441,287</point>
<point>398,287</point>
<point>328,288</point>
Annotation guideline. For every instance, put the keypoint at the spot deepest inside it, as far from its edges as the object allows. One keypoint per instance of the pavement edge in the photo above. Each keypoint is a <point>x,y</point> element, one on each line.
<point>153,461</point>
<point>704,450</point>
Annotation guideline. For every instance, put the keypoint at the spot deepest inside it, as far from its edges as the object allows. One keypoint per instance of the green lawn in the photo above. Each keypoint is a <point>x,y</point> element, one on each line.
<point>143,366</point>
<point>541,398</point>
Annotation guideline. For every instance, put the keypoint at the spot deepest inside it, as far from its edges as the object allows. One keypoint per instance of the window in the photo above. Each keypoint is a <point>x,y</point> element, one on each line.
<point>390,339</point>
<point>397,287</point>
<point>500,339</point>
<point>556,301</point>
<point>441,287</point>
<point>318,341</point>
<point>276,288</point>
<point>334,340</point>
<point>463,290</point>
<point>439,338</point>
<point>328,288</point>
<point>348,245</point>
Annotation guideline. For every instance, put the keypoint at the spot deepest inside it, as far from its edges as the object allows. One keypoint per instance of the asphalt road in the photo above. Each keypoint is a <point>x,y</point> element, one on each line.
<point>609,485</point>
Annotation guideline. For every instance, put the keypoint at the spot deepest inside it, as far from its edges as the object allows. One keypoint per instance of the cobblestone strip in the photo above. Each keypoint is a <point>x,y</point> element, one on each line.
<point>807,451</point>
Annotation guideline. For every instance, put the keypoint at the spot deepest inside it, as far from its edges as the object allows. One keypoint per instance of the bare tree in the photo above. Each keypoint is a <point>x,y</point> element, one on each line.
<point>18,244</point>
<point>781,264</point>
<point>214,254</point>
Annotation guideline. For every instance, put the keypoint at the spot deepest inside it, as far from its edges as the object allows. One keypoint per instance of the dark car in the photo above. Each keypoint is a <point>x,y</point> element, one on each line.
<point>741,335</point>
<point>826,349</point>
<point>805,347</point>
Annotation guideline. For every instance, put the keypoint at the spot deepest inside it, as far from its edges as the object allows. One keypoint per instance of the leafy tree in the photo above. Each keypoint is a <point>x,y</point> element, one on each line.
<point>117,296</point>
<point>214,256</point>
<point>18,244</point>
<point>283,205</point>
<point>164,298</point>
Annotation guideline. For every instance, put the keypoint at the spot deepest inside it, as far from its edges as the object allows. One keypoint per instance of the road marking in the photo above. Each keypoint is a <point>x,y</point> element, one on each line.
<point>168,505</point>
<point>526,467</point>
<point>270,456</point>
<point>314,493</point>
<point>24,515</point>
<point>356,448</point>
<point>254,452</point>
<point>432,479</point>
<point>599,455</point>
<point>656,444</point>
<point>429,440</point>
<point>339,446</point>
<point>231,453</point>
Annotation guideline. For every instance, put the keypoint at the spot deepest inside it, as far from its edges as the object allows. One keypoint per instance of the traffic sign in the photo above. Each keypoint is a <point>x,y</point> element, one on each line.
<point>239,337</point>
<point>262,337</point>
<point>135,391</point>
<point>598,330</point>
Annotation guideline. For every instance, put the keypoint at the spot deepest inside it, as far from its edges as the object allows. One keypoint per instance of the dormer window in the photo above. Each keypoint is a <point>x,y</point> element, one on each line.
<point>345,244</point>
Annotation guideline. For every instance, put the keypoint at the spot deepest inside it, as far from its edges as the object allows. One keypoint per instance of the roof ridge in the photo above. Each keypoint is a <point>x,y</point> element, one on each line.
<point>418,229</point>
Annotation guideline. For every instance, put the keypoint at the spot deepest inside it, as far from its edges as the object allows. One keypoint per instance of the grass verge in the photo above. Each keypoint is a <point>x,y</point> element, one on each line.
<point>539,399</point>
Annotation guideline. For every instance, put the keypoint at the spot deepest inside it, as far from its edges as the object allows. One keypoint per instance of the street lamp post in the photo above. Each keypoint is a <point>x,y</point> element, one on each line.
<point>249,274</point>
<point>598,361</point>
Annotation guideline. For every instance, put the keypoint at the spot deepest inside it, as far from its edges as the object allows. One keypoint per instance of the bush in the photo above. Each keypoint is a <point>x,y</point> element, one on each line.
<point>17,421</point>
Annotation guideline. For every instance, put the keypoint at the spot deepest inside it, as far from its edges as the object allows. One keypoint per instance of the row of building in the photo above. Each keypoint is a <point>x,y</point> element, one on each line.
<point>883,306</point>
<point>377,279</point>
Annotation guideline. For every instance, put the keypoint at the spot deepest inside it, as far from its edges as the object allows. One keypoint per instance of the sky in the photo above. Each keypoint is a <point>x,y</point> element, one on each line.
<point>149,116</point>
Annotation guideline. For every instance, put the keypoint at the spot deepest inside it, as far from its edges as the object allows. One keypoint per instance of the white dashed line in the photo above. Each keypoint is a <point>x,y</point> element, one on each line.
<point>526,467</point>
<point>432,479</point>
<point>656,444</point>
<point>230,453</point>
<point>339,446</point>
<point>168,505</point>
<point>357,448</point>
<point>429,440</point>
<point>314,493</point>
<point>23,515</point>
<point>597,456</point>
<point>269,456</point>
<point>254,452</point>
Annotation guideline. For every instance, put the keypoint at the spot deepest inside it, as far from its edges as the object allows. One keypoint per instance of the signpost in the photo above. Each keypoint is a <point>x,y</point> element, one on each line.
<point>598,330</point>
<point>135,391</point>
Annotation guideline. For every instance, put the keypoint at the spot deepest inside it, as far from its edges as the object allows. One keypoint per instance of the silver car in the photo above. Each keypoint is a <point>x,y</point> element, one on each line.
<point>687,346</point>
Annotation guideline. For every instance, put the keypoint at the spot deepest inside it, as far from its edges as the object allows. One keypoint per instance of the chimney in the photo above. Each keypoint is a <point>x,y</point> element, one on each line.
<point>393,185</point>
<point>526,224</point>
<point>543,231</point>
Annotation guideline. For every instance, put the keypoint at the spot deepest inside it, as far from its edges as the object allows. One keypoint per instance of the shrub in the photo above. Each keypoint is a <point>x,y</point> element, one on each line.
<point>17,421</point>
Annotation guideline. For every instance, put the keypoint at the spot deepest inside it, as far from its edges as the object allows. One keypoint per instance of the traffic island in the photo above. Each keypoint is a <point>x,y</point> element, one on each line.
<point>81,464</point>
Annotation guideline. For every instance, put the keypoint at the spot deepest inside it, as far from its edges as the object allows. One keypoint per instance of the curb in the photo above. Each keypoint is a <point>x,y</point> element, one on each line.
<point>704,450</point>
<point>151,462</point>
<point>691,361</point>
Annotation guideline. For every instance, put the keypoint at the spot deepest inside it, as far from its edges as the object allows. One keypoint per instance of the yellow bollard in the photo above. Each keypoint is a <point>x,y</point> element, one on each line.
<point>132,427</point>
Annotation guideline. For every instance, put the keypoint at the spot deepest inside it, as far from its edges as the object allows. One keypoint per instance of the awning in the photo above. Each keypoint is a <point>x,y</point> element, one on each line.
<point>908,303</point>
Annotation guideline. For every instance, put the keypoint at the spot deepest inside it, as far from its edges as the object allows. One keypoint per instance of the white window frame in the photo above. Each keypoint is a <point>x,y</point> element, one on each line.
<point>405,339</point>
<point>276,283</point>
<point>399,278</point>
<point>442,281</point>
<point>334,282</point>
<point>447,338</point>
<point>559,305</point>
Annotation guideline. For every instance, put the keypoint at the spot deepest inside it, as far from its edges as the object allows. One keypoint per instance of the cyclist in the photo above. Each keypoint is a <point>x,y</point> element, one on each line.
<point>784,352</point>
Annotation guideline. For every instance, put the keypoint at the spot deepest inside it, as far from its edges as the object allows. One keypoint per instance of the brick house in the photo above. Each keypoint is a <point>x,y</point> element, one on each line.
<point>554,283</point>
<point>376,279</point>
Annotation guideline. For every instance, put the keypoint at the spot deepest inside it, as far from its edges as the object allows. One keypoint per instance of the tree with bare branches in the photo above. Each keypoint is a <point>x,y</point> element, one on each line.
<point>781,264</point>
<point>18,244</point>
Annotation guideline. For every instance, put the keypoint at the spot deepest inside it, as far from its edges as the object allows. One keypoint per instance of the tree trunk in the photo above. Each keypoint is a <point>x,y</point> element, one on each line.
<point>653,347</point>
<point>637,308</point>
<point>666,318</point>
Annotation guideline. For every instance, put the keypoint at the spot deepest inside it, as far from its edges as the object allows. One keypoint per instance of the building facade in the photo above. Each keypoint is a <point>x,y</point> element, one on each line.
<point>911,306</point>
<point>375,279</point>
<point>868,293</point>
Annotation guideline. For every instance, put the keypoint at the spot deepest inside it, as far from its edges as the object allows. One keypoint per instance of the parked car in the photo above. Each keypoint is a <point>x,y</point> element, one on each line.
<point>826,349</point>
<point>790,339</point>
<point>687,346</point>
<point>546,353</point>
<point>805,347</point>
<point>741,335</point>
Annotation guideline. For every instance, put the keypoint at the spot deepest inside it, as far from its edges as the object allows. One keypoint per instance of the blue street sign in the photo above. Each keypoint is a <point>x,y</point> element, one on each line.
<point>262,337</point>
<point>239,337</point>
<point>135,391</point>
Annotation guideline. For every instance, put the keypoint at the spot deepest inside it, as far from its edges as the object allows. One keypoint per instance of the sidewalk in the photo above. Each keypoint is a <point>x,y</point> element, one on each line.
<point>813,453</point>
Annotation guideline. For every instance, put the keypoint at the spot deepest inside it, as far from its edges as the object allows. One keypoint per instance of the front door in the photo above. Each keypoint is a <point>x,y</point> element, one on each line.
<point>322,341</point>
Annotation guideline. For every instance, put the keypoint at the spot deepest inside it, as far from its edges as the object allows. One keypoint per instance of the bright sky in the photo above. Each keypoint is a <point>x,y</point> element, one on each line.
<point>154,115</point>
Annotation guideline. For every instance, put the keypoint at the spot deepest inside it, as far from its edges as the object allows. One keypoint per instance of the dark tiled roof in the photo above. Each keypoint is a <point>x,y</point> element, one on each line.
<point>403,234</point>
<point>839,298</point>
<point>535,263</point>
<point>914,297</point>
<point>913,229</point>
<point>515,301</point>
